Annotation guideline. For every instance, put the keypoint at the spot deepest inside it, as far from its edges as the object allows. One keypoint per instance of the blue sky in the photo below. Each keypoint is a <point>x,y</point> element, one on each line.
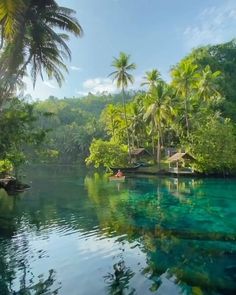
<point>156,33</point>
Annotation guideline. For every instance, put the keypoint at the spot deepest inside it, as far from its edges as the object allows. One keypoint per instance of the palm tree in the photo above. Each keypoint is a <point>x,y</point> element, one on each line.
<point>207,86</point>
<point>185,77</point>
<point>123,78</point>
<point>151,78</point>
<point>158,112</point>
<point>37,42</point>
<point>137,126</point>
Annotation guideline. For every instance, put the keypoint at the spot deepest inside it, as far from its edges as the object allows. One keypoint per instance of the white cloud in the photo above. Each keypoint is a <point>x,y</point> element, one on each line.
<point>213,25</point>
<point>99,85</point>
<point>75,68</point>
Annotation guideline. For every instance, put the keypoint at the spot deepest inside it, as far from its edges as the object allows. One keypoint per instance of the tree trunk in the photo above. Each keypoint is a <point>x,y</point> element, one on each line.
<point>159,145</point>
<point>126,123</point>
<point>186,112</point>
<point>133,141</point>
<point>153,149</point>
<point>186,117</point>
<point>159,152</point>
<point>137,141</point>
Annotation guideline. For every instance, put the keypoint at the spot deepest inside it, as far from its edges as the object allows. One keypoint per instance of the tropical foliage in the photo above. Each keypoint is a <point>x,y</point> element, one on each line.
<point>104,153</point>
<point>194,112</point>
<point>189,113</point>
<point>18,129</point>
<point>34,37</point>
<point>214,146</point>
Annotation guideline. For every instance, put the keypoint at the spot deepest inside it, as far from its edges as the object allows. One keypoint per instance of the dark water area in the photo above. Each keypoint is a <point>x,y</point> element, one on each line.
<point>76,233</point>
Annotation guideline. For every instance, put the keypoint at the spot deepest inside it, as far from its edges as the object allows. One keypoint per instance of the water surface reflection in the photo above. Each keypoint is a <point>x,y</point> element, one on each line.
<point>75,233</point>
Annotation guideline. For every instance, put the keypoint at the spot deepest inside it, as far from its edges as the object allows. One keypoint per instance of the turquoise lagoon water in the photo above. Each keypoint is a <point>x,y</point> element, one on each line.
<point>76,233</point>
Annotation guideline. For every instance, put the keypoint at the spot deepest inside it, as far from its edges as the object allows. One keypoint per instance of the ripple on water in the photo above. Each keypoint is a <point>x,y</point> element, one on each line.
<point>167,237</point>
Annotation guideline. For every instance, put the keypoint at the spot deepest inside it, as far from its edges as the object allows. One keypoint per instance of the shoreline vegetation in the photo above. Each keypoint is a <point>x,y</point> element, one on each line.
<point>194,113</point>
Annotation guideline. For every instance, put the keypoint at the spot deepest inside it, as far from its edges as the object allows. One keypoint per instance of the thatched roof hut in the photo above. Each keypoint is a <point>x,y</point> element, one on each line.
<point>181,160</point>
<point>180,156</point>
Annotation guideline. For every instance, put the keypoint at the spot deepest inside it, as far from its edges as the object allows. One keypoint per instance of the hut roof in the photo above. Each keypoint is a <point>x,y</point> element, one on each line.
<point>178,156</point>
<point>139,151</point>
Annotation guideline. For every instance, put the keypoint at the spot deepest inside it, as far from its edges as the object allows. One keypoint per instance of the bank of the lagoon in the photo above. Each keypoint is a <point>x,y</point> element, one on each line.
<point>153,170</point>
<point>75,232</point>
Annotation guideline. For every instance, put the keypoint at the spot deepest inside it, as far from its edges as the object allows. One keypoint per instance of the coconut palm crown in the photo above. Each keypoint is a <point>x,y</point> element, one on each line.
<point>151,78</point>
<point>123,66</point>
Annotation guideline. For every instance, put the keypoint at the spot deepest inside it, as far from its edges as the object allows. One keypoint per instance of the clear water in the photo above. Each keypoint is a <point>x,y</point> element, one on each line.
<point>75,233</point>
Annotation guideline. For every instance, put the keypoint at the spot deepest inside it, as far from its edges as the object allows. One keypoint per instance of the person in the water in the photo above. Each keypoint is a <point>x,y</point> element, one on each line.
<point>119,174</point>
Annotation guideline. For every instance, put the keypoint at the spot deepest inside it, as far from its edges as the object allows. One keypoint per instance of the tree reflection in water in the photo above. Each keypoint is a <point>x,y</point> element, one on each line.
<point>27,287</point>
<point>118,281</point>
<point>42,287</point>
<point>16,273</point>
<point>184,229</point>
<point>175,221</point>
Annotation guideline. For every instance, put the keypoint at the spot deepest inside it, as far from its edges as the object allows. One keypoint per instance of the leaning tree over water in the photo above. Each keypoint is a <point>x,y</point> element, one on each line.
<point>34,37</point>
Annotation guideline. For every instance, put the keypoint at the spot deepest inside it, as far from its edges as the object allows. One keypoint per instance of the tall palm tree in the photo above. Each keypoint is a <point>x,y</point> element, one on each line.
<point>151,79</point>
<point>137,125</point>
<point>123,79</point>
<point>37,42</point>
<point>185,77</point>
<point>158,112</point>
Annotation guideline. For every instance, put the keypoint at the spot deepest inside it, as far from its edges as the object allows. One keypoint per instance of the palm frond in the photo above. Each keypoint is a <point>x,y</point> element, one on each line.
<point>10,16</point>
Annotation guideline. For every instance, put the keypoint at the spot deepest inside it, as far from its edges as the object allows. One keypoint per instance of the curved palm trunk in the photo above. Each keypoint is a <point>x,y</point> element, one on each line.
<point>126,122</point>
